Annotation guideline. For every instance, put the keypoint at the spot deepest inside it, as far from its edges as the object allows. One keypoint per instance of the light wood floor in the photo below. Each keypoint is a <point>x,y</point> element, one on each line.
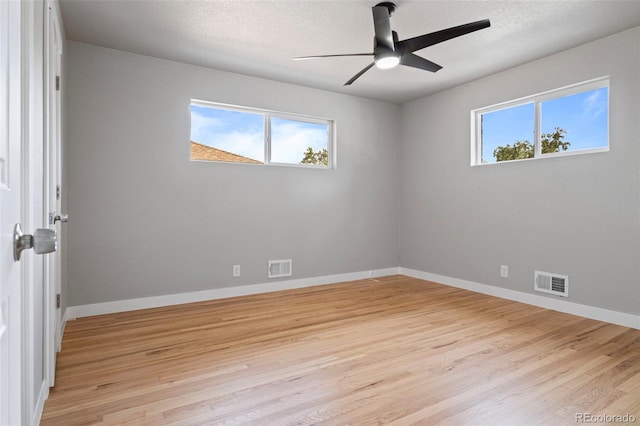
<point>395,350</point>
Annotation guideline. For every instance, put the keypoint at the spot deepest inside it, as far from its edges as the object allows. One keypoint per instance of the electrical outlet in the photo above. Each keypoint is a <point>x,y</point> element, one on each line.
<point>504,271</point>
<point>236,270</point>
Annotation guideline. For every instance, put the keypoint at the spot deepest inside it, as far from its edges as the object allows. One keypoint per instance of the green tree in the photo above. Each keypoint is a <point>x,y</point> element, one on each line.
<point>316,157</point>
<point>519,151</point>
<point>550,143</point>
<point>554,142</point>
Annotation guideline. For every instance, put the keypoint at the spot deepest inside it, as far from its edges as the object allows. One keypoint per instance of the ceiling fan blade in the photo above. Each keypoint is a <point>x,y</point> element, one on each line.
<point>382,26</point>
<point>426,40</point>
<point>357,76</point>
<point>416,61</point>
<point>301,58</point>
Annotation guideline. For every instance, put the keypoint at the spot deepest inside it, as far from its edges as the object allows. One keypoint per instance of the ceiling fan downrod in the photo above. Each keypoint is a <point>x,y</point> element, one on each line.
<point>391,7</point>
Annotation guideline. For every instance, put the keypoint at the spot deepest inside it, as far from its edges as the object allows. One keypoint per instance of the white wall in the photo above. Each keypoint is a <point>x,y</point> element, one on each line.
<point>145,221</point>
<point>577,215</point>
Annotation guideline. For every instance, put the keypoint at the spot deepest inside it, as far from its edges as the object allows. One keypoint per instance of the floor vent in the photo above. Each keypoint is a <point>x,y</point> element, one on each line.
<point>551,283</point>
<point>279,268</point>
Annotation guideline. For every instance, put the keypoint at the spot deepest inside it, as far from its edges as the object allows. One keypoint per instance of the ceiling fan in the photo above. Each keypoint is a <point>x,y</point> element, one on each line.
<point>389,52</point>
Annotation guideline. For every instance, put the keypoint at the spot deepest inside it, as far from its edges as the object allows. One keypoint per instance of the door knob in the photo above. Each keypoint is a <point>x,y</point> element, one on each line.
<point>42,241</point>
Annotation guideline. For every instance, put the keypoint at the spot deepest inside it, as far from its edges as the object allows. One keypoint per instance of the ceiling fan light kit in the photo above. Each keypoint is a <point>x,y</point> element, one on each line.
<point>387,60</point>
<point>388,51</point>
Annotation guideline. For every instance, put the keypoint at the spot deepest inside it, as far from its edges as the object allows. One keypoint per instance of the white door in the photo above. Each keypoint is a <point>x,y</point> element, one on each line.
<point>53,182</point>
<point>34,292</point>
<point>10,213</point>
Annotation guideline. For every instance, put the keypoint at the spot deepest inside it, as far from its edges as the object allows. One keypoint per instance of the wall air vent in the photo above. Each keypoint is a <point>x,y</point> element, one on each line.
<point>551,283</point>
<point>279,268</point>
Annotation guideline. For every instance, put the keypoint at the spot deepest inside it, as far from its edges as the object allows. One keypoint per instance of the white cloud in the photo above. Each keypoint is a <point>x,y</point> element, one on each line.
<point>246,144</point>
<point>202,126</point>
<point>595,104</point>
<point>290,141</point>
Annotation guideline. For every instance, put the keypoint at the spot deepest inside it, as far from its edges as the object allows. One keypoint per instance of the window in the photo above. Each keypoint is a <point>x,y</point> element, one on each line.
<point>244,135</point>
<point>571,120</point>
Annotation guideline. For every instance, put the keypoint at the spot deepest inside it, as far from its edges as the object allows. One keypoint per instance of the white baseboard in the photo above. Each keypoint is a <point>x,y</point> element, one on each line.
<point>614,317</point>
<point>73,312</point>
<point>600,314</point>
<point>65,318</point>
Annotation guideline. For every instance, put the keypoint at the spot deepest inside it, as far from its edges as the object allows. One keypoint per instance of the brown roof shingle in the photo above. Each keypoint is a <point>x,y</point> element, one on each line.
<point>209,153</point>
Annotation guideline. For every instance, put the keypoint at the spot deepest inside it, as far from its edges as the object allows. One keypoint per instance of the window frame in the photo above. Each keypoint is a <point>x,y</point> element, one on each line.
<point>537,100</point>
<point>267,115</point>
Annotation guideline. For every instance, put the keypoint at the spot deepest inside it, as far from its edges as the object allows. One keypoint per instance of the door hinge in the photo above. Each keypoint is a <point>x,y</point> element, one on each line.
<point>58,301</point>
<point>57,82</point>
<point>57,192</point>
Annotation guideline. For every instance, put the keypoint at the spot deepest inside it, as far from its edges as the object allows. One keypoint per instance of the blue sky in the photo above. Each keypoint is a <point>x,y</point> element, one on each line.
<point>584,116</point>
<point>237,132</point>
<point>290,139</point>
<point>243,133</point>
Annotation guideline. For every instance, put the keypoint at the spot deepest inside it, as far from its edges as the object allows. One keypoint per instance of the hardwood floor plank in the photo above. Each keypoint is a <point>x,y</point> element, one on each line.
<point>393,350</point>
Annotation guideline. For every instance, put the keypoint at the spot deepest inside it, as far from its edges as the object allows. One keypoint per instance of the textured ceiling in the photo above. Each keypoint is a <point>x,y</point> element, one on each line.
<point>260,38</point>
